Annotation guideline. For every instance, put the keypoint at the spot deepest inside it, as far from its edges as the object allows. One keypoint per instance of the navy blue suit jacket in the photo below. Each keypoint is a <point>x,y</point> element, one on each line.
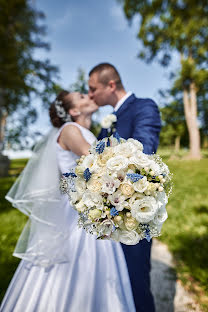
<point>138,119</point>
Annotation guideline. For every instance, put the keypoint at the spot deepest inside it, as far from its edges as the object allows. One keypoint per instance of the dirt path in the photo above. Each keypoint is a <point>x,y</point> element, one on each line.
<point>169,294</point>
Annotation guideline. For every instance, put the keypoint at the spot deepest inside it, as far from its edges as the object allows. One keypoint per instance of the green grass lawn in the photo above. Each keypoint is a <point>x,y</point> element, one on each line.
<point>11,225</point>
<point>185,231</point>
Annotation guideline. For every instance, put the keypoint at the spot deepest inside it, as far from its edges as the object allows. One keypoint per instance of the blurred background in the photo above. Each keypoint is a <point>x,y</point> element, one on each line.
<point>160,50</point>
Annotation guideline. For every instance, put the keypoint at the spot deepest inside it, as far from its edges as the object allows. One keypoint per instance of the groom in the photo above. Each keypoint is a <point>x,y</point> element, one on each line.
<point>138,119</point>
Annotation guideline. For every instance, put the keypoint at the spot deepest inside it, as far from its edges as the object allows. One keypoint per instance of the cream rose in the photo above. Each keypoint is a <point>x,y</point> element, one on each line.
<point>127,189</point>
<point>131,223</point>
<point>94,184</point>
<point>104,157</point>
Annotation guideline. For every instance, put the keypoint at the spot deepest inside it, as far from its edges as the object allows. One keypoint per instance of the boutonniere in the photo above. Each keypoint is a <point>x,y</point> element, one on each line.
<point>109,121</point>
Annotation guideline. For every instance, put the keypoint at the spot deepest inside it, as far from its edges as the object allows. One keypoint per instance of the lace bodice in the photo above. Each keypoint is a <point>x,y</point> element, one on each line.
<point>67,159</point>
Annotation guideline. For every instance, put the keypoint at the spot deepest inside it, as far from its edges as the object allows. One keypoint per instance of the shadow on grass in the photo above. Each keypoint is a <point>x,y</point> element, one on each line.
<point>163,285</point>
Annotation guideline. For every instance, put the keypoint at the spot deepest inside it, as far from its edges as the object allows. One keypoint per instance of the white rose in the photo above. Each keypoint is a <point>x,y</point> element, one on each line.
<point>108,120</point>
<point>138,144</point>
<point>141,185</point>
<point>92,199</point>
<point>94,184</point>
<point>144,209</point>
<point>117,163</point>
<point>80,185</point>
<point>160,216</point>
<point>128,237</point>
<point>136,196</point>
<point>140,160</point>
<point>155,167</point>
<point>126,149</point>
<point>79,170</point>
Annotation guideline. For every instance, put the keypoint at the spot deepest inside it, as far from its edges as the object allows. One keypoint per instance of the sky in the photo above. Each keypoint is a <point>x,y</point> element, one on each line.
<point>83,33</point>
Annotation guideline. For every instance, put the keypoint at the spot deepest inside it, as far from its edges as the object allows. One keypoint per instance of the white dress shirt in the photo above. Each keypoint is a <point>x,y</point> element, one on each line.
<point>122,100</point>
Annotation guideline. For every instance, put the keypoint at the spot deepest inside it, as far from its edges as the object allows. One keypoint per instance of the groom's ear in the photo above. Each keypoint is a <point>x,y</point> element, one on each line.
<point>112,85</point>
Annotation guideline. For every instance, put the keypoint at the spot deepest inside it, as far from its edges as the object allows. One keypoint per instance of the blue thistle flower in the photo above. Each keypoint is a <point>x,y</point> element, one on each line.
<point>117,136</point>
<point>100,147</point>
<point>87,174</point>
<point>134,177</point>
<point>108,142</point>
<point>113,212</point>
<point>147,234</point>
<point>69,174</point>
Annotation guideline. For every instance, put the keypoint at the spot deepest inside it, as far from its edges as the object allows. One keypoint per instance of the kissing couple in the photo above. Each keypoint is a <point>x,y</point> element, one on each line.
<point>63,268</point>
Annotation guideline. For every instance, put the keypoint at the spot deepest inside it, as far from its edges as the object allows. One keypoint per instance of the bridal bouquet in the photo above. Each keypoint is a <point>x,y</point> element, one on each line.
<point>119,192</point>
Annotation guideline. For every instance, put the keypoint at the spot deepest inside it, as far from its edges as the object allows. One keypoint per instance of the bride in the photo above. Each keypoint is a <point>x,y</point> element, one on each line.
<point>63,269</point>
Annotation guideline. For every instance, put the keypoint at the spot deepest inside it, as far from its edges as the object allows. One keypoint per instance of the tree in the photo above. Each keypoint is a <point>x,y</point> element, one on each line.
<point>22,76</point>
<point>174,127</point>
<point>176,26</point>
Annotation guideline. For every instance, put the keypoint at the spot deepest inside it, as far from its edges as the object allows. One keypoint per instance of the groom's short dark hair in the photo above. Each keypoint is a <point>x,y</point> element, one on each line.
<point>107,72</point>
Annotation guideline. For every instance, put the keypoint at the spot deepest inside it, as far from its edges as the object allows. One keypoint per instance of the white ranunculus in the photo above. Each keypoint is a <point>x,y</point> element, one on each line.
<point>126,149</point>
<point>144,209</point>
<point>117,200</point>
<point>138,144</point>
<point>128,237</point>
<point>117,163</point>
<point>91,199</point>
<point>140,160</point>
<point>141,185</point>
<point>109,184</point>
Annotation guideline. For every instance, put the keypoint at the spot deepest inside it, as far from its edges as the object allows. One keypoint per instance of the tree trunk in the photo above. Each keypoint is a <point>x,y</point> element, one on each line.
<point>3,117</point>
<point>177,143</point>
<point>190,108</point>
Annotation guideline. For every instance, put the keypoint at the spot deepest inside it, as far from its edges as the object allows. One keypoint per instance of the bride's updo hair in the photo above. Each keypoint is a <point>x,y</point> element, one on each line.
<point>63,102</point>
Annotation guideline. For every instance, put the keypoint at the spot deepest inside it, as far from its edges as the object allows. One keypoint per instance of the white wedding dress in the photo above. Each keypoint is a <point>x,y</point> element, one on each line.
<point>94,279</point>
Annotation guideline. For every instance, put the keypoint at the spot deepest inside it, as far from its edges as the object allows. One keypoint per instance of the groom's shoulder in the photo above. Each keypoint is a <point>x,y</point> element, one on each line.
<point>142,103</point>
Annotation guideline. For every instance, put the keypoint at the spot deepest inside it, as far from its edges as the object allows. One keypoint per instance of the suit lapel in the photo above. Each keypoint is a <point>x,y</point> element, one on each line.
<point>125,105</point>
